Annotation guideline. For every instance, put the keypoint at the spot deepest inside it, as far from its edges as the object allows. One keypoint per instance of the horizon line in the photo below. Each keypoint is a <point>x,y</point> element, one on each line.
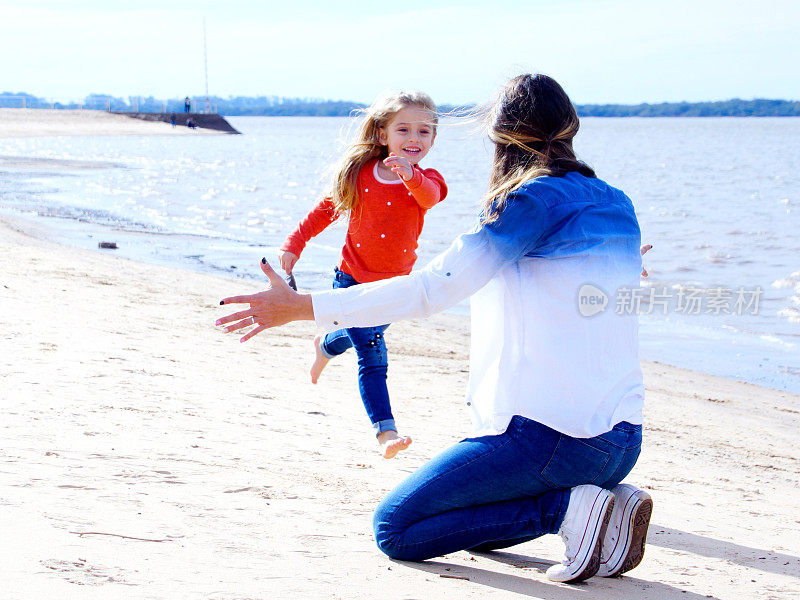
<point>8,94</point>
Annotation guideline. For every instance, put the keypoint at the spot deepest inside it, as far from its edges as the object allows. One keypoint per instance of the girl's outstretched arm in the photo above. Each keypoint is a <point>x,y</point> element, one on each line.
<point>644,249</point>
<point>277,305</point>
<point>287,260</point>
<point>314,223</point>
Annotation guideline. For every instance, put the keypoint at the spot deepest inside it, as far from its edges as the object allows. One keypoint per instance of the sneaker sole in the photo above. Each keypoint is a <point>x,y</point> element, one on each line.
<point>641,521</point>
<point>593,564</point>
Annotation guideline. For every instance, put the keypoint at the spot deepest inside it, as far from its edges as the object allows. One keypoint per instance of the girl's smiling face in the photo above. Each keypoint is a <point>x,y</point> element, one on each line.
<point>410,133</point>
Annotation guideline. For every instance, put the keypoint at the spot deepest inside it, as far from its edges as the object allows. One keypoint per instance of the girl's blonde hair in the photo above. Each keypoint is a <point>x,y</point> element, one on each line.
<point>532,124</point>
<point>367,145</point>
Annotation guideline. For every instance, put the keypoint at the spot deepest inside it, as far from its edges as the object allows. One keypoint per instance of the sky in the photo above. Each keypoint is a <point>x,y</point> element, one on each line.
<point>601,51</point>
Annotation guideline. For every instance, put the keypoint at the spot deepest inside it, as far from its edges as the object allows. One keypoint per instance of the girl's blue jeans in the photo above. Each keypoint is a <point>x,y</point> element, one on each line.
<point>496,491</point>
<point>372,362</point>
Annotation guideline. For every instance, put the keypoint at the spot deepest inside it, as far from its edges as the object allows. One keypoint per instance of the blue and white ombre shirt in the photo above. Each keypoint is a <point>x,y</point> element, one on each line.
<point>547,341</point>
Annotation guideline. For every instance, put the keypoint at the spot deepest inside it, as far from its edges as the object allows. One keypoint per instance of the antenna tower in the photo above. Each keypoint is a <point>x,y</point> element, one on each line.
<point>205,64</point>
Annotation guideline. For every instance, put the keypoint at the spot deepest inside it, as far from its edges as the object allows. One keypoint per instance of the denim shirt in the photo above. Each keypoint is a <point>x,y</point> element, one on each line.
<point>547,341</point>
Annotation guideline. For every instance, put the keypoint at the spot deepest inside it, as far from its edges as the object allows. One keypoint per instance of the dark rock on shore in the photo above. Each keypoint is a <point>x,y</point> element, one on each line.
<point>207,121</point>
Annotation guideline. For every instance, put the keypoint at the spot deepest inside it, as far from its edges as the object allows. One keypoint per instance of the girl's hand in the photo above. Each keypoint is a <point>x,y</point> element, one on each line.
<point>277,305</point>
<point>287,260</point>
<point>644,249</point>
<point>400,165</point>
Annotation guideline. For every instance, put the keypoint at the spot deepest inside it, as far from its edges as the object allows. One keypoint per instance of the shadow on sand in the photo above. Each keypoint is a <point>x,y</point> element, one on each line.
<point>624,587</point>
<point>754,558</point>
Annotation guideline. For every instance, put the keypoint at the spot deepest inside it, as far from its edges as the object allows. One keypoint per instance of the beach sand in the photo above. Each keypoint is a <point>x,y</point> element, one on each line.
<point>146,454</point>
<point>21,122</point>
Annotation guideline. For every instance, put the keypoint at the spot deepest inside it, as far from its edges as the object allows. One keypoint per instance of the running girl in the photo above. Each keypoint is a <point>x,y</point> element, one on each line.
<point>385,194</point>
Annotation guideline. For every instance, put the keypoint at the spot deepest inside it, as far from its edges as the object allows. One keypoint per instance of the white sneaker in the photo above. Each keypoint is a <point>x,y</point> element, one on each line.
<point>623,544</point>
<point>583,529</point>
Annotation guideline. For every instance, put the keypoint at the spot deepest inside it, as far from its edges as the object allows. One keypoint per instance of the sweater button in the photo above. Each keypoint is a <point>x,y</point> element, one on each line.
<point>409,193</point>
<point>383,235</point>
<point>388,204</point>
<point>358,245</point>
<point>366,189</point>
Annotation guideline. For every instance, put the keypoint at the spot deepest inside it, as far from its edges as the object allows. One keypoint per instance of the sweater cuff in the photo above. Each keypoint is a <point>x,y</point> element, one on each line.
<point>415,181</point>
<point>293,246</point>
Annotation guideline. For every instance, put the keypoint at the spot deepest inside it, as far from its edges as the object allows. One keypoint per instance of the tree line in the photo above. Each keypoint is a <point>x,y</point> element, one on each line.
<point>760,107</point>
<point>317,107</point>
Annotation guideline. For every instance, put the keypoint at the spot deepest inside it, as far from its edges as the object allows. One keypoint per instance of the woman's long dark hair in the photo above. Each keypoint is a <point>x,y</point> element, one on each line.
<point>532,124</point>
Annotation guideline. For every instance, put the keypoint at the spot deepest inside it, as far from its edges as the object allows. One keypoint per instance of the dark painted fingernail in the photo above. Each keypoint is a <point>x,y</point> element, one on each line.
<point>263,261</point>
<point>222,302</point>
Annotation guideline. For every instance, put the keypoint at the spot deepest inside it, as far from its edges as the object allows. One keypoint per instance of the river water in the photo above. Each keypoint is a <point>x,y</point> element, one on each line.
<point>719,199</point>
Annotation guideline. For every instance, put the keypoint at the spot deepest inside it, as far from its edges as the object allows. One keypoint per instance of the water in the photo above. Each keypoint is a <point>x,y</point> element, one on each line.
<point>718,199</point>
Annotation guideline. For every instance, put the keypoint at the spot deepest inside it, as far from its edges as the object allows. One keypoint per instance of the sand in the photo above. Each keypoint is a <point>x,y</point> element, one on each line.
<point>146,454</point>
<point>21,122</point>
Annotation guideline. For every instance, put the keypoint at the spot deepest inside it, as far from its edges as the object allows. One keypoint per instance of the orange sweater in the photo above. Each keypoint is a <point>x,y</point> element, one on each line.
<point>383,230</point>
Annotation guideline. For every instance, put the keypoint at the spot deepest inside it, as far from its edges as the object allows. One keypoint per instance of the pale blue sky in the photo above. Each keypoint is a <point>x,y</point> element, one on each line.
<point>624,51</point>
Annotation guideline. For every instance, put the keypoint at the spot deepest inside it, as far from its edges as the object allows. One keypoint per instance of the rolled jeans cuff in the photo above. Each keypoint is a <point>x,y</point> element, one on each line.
<point>323,351</point>
<point>385,425</point>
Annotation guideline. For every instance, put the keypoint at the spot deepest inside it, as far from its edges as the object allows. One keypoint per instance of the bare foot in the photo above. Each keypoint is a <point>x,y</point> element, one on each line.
<point>320,361</point>
<point>391,443</point>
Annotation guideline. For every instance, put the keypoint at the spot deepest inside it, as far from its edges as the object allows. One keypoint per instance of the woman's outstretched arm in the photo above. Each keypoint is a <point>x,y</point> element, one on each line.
<point>465,267</point>
<point>453,276</point>
<point>277,305</point>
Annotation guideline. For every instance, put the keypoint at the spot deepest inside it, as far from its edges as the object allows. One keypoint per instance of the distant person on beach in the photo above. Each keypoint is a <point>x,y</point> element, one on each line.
<point>190,123</point>
<point>187,105</point>
<point>379,185</point>
<point>555,397</point>
<point>172,119</point>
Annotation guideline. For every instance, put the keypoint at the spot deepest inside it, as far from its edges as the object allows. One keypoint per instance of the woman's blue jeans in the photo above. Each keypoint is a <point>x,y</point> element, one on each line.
<point>496,491</point>
<point>372,362</point>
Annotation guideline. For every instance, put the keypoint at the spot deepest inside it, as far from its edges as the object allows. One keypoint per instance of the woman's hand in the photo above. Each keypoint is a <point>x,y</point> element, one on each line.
<point>287,260</point>
<point>644,249</point>
<point>401,166</point>
<point>275,306</point>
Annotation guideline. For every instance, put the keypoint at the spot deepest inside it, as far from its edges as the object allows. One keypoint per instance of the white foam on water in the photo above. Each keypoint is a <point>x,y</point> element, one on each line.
<point>791,314</point>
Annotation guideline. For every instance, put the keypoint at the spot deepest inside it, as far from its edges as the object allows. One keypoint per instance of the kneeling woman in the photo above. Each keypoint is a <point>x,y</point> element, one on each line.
<point>556,397</point>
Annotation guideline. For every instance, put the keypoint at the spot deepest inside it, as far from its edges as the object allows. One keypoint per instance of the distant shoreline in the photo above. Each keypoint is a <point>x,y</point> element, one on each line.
<point>276,106</point>
<point>725,108</point>
<point>21,122</point>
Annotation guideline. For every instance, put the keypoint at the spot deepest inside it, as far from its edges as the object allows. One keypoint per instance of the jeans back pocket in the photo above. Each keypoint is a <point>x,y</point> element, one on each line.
<point>574,462</point>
